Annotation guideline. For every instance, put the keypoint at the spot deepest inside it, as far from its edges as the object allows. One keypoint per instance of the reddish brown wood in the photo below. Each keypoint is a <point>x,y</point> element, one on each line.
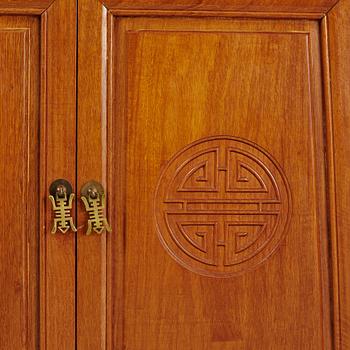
<point>49,132</point>
<point>339,103</point>
<point>151,84</point>
<point>176,81</point>
<point>19,154</point>
<point>25,6</point>
<point>290,6</point>
<point>92,151</point>
<point>199,13</point>
<point>58,160</point>
<point>134,56</point>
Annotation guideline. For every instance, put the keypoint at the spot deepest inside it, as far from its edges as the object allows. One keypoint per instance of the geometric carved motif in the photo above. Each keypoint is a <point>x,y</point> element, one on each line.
<point>222,206</point>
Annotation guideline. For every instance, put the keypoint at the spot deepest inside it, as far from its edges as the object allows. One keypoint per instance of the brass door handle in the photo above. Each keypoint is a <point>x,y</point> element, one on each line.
<point>93,197</point>
<point>61,197</point>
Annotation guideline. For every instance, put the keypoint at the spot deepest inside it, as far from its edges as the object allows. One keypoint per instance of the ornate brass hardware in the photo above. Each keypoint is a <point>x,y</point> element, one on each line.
<point>93,197</point>
<point>61,198</point>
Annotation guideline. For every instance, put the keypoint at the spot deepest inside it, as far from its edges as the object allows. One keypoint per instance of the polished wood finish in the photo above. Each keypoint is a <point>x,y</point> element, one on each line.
<point>19,154</point>
<point>58,157</point>
<point>25,6</point>
<point>153,88</point>
<point>38,145</point>
<point>337,30</point>
<point>174,81</point>
<point>199,13</point>
<point>217,6</point>
<point>92,152</point>
<point>198,258</point>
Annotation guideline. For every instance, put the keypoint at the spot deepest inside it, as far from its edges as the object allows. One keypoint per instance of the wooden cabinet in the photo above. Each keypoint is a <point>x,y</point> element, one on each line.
<point>220,131</point>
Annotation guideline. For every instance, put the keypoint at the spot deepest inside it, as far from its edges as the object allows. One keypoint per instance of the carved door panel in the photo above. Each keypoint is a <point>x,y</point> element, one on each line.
<point>37,143</point>
<point>213,135</point>
<point>220,149</point>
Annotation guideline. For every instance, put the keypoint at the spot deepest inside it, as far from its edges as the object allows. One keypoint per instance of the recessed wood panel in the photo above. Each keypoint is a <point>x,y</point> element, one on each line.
<point>177,85</point>
<point>19,175</point>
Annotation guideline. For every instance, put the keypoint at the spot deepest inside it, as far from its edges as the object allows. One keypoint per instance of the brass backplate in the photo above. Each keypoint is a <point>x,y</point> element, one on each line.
<point>57,184</point>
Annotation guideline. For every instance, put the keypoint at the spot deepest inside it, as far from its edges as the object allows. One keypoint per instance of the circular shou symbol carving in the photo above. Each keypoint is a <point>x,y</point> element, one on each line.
<point>222,206</point>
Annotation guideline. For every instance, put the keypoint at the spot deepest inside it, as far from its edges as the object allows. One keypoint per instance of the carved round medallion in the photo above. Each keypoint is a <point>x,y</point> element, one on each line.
<point>222,206</point>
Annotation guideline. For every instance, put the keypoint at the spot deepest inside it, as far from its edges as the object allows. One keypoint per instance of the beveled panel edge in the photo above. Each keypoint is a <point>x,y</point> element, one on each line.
<point>25,7</point>
<point>26,193</point>
<point>43,181</point>
<point>332,227</point>
<point>23,236</point>
<point>227,14</point>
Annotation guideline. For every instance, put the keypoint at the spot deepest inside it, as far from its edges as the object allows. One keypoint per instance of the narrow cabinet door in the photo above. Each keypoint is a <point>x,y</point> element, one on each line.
<point>37,145</point>
<point>212,133</point>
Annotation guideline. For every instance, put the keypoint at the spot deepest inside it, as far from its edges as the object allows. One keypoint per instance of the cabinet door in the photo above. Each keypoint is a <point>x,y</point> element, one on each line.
<point>221,143</point>
<point>37,145</point>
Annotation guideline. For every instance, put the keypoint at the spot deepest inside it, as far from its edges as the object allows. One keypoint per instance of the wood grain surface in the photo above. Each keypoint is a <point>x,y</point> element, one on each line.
<point>339,104</point>
<point>19,170</point>
<point>179,80</point>
<point>219,130</point>
<point>92,152</point>
<point>25,6</point>
<point>289,6</point>
<point>58,160</point>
